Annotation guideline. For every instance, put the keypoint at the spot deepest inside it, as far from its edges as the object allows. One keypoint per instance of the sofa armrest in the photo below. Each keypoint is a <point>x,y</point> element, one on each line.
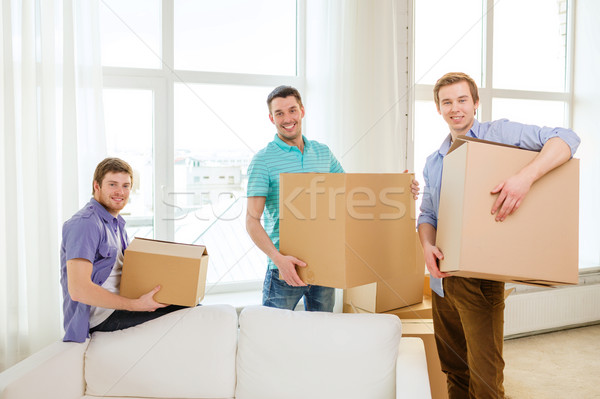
<point>412,379</point>
<point>55,372</point>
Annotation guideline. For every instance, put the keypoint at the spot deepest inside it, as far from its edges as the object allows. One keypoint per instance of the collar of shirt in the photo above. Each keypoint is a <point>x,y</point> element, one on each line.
<point>106,216</point>
<point>286,147</point>
<point>443,150</point>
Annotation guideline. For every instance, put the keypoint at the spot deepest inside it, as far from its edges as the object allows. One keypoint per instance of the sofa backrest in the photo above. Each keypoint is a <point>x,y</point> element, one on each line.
<point>189,353</point>
<point>285,354</point>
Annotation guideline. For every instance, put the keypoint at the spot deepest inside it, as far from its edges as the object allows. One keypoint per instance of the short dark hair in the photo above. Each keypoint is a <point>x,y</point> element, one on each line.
<point>451,78</point>
<point>283,92</point>
<point>111,165</point>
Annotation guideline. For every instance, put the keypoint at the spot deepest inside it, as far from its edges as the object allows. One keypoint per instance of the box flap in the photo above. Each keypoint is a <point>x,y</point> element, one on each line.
<point>167,248</point>
<point>460,140</point>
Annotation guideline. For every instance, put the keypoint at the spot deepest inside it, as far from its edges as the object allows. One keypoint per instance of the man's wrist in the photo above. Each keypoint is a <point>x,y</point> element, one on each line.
<point>276,257</point>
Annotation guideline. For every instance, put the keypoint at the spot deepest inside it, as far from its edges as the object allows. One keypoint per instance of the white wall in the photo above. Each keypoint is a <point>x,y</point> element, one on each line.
<point>586,122</point>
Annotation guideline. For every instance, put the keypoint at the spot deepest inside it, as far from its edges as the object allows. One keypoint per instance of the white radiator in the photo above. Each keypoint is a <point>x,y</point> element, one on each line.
<point>533,311</point>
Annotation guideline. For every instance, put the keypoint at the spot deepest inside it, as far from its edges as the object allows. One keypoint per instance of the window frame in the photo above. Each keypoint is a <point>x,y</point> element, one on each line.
<point>423,92</point>
<point>487,93</point>
<point>161,81</point>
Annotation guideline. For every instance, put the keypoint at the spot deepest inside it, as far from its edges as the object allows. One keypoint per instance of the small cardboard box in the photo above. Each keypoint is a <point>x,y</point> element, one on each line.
<point>424,329</point>
<point>382,296</point>
<point>352,230</point>
<point>421,310</point>
<point>426,284</point>
<point>538,244</point>
<point>180,270</point>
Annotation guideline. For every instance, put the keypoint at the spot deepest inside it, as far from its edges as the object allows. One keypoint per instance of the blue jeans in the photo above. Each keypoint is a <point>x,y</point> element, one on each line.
<point>122,319</point>
<point>279,294</point>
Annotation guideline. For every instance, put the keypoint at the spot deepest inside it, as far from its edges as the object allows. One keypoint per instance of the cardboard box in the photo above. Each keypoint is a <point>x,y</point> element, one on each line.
<point>383,295</point>
<point>180,270</point>
<point>538,244</point>
<point>418,311</point>
<point>352,230</point>
<point>426,284</point>
<point>421,310</point>
<point>424,330</point>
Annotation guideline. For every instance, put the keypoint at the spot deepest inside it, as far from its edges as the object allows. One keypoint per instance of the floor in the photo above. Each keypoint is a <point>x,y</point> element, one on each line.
<point>558,365</point>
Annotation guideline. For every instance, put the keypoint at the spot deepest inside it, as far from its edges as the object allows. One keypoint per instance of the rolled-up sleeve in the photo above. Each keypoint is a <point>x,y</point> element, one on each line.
<point>568,136</point>
<point>529,137</point>
<point>428,209</point>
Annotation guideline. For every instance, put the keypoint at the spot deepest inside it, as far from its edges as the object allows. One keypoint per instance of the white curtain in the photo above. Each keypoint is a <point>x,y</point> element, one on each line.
<point>51,116</point>
<point>356,81</point>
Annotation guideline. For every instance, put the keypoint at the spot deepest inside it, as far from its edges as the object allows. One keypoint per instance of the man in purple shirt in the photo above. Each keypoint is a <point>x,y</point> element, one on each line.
<point>93,244</point>
<point>468,313</point>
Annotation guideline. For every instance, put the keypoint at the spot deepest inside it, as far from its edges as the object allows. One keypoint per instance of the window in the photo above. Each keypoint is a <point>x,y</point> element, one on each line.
<point>129,132</point>
<point>518,52</point>
<point>185,99</point>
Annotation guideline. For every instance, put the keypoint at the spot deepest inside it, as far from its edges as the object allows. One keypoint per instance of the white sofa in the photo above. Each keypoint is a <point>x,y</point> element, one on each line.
<point>201,353</point>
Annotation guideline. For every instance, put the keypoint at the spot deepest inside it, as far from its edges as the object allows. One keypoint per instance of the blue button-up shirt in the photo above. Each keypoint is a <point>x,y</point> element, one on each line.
<point>92,234</point>
<point>501,131</point>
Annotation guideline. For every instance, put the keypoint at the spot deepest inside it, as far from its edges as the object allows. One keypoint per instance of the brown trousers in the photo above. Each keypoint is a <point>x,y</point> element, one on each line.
<point>469,332</point>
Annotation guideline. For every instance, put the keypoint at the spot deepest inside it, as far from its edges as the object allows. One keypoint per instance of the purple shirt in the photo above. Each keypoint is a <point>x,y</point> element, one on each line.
<point>529,137</point>
<point>92,234</point>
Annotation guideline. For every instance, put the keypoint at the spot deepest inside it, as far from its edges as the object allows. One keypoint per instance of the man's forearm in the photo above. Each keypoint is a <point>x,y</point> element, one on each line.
<point>83,289</point>
<point>260,237</point>
<point>427,234</point>
<point>554,153</point>
<point>513,190</point>
<point>95,295</point>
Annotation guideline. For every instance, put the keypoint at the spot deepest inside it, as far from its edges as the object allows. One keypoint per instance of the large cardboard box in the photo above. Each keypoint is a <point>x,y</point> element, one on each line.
<point>538,244</point>
<point>180,270</point>
<point>424,329</point>
<point>352,230</point>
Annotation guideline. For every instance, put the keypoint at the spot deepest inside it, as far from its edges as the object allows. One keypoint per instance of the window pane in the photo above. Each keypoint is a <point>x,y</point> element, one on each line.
<point>217,131</point>
<point>447,38</point>
<point>239,36</point>
<point>130,33</point>
<point>530,44</point>
<point>430,131</point>
<point>531,112</point>
<point>128,116</point>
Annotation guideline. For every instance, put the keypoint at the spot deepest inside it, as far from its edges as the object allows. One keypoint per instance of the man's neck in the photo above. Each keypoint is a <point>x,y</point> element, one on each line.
<point>113,213</point>
<point>298,142</point>
<point>462,132</point>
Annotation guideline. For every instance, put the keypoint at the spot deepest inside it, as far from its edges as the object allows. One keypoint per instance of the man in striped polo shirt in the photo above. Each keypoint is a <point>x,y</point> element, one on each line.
<point>289,152</point>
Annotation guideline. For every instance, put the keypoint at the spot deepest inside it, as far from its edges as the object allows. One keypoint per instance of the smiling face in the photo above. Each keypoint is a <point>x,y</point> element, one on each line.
<point>113,192</point>
<point>286,114</point>
<point>457,107</point>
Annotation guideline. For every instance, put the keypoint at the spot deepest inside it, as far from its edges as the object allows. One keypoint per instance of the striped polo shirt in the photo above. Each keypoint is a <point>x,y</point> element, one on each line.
<point>278,157</point>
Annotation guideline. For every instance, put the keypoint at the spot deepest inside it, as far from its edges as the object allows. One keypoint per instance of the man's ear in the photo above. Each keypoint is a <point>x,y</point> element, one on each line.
<point>96,187</point>
<point>271,118</point>
<point>476,106</point>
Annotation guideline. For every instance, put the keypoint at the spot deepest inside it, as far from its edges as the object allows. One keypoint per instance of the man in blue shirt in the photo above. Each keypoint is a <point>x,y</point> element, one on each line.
<point>468,313</point>
<point>91,256</point>
<point>289,152</point>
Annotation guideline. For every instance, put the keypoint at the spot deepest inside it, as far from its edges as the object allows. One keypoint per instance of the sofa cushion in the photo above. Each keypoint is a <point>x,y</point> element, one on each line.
<point>286,354</point>
<point>189,353</point>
